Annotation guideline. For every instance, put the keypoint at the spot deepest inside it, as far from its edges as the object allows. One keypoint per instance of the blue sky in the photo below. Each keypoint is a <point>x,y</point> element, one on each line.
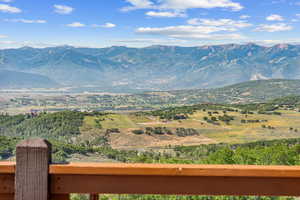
<point>138,23</point>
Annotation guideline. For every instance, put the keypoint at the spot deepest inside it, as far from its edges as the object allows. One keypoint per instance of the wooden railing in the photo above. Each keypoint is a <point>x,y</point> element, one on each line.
<point>33,178</point>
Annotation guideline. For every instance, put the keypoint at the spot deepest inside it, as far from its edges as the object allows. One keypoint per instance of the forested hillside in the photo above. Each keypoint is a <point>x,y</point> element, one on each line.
<point>84,135</point>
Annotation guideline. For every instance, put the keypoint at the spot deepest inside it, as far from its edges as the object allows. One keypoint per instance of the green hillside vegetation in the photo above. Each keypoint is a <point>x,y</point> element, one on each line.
<point>98,134</point>
<point>49,125</point>
<point>184,125</point>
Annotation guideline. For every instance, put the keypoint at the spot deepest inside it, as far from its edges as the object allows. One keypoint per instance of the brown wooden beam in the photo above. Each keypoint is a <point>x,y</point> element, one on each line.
<point>7,184</point>
<point>7,167</point>
<point>176,170</point>
<point>180,185</point>
<point>6,197</point>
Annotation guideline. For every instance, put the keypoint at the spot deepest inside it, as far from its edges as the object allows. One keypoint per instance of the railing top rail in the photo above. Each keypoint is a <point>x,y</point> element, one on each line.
<point>166,170</point>
<point>7,167</point>
<point>176,170</point>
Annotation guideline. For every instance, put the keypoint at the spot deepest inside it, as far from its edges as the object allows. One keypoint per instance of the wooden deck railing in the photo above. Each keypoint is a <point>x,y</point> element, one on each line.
<point>33,178</point>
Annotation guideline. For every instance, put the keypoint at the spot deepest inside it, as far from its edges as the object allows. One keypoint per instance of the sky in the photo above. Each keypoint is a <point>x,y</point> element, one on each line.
<point>140,23</point>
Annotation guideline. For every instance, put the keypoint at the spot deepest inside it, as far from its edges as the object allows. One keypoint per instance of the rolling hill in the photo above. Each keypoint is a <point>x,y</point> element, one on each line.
<point>246,92</point>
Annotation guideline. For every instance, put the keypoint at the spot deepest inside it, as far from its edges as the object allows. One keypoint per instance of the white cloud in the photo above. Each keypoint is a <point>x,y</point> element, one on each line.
<point>6,1</point>
<point>182,4</point>
<point>138,4</point>
<point>63,9</point>
<point>27,21</point>
<point>106,25</point>
<point>219,22</point>
<point>298,15</point>
<point>245,17</point>
<point>274,18</point>
<point>190,32</point>
<point>3,36</point>
<point>165,14</point>
<point>9,9</point>
<point>76,25</point>
<point>273,27</point>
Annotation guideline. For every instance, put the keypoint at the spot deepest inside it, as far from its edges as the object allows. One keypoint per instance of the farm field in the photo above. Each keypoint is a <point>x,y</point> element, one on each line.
<point>258,127</point>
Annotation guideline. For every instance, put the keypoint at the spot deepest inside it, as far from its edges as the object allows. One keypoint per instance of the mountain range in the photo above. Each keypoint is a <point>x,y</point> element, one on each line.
<point>149,68</point>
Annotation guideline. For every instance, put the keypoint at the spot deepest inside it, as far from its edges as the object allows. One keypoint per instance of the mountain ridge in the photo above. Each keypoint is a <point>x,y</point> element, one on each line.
<point>156,67</point>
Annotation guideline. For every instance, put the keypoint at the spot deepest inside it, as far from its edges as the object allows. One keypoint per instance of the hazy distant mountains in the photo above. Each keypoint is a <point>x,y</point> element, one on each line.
<point>12,79</point>
<point>155,67</point>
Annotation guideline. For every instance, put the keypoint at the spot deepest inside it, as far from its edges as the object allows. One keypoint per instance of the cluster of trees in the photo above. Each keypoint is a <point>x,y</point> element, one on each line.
<point>268,127</point>
<point>48,125</point>
<point>214,119</point>
<point>268,112</point>
<point>178,113</point>
<point>244,121</point>
<point>181,132</point>
<point>226,118</point>
<point>293,129</point>
<point>112,130</point>
<point>7,147</point>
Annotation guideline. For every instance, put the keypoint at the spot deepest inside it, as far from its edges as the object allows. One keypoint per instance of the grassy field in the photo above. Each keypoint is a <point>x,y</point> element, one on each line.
<point>286,125</point>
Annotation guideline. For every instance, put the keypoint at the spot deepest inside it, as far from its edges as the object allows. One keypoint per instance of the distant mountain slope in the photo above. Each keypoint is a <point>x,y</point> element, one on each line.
<point>12,79</point>
<point>247,92</point>
<point>157,67</point>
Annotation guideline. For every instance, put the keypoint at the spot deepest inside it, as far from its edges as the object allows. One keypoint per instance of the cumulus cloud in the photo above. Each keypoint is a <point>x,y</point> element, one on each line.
<point>3,36</point>
<point>9,9</point>
<point>219,22</point>
<point>190,32</point>
<point>76,25</point>
<point>274,27</point>
<point>27,21</point>
<point>165,14</point>
<point>245,17</point>
<point>182,5</point>
<point>63,9</point>
<point>138,4</point>
<point>274,18</point>
<point>106,25</point>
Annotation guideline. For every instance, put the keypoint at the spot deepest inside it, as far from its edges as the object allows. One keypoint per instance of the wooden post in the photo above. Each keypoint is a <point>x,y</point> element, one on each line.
<point>94,196</point>
<point>31,182</point>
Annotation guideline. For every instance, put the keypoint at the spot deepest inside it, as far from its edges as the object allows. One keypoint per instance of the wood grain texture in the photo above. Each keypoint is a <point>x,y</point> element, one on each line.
<point>176,170</point>
<point>31,182</point>
<point>7,167</point>
<point>7,184</point>
<point>6,197</point>
<point>177,185</point>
